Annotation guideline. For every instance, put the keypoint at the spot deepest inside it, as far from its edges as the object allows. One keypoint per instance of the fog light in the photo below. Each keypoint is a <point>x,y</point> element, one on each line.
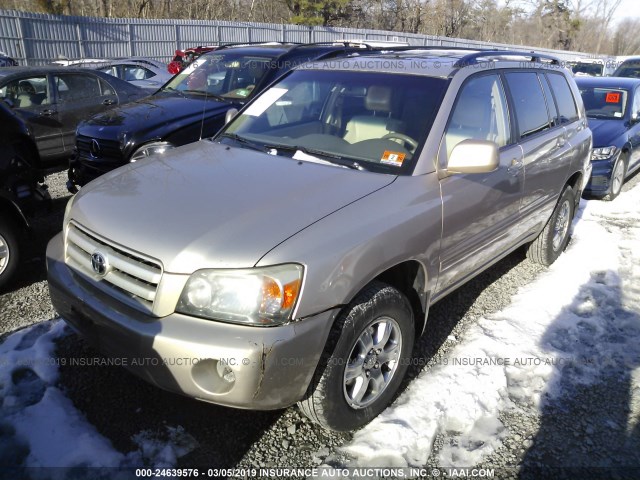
<point>226,373</point>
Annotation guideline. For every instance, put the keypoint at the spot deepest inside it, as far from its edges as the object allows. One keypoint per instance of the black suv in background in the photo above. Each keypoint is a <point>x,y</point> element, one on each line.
<point>21,191</point>
<point>190,106</point>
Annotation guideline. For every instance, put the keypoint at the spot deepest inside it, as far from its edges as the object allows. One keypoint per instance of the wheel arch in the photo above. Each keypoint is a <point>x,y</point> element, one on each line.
<point>410,278</point>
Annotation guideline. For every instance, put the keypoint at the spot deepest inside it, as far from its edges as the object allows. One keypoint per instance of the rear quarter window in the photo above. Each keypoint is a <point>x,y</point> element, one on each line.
<point>564,98</point>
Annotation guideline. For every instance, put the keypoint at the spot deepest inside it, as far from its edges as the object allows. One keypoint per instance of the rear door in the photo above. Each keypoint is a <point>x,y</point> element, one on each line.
<point>480,211</point>
<point>80,96</point>
<point>544,142</point>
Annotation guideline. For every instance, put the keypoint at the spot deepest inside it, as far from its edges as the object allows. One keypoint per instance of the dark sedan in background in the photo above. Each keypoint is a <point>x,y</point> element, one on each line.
<point>613,111</point>
<point>53,100</point>
<point>189,107</point>
<point>22,193</point>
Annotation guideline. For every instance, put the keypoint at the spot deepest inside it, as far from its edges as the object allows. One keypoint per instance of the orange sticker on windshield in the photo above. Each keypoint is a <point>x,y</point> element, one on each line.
<point>612,97</point>
<point>392,158</point>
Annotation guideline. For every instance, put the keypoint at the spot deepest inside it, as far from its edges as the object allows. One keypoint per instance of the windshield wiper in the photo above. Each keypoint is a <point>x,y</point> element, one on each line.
<point>207,94</point>
<point>173,90</point>
<point>603,116</point>
<point>243,141</point>
<point>329,157</point>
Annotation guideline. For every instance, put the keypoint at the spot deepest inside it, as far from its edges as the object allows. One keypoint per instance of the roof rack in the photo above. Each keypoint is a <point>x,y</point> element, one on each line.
<point>238,44</point>
<point>472,58</point>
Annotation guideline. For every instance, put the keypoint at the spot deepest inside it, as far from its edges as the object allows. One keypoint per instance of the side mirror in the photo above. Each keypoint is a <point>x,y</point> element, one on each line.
<point>231,113</point>
<point>9,102</point>
<point>473,156</point>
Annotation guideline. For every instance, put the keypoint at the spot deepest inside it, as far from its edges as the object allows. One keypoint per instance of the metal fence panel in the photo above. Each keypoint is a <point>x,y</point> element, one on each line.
<point>35,39</point>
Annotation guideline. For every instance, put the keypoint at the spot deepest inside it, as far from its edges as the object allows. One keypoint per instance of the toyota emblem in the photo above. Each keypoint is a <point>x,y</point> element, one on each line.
<point>95,150</point>
<point>99,264</point>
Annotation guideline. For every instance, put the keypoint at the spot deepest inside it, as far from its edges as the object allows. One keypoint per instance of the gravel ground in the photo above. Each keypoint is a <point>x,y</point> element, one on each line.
<point>120,405</point>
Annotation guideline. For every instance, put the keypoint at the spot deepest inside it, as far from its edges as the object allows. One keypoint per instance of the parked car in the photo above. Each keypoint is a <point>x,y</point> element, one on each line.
<point>22,192</point>
<point>191,106</point>
<point>7,61</point>
<point>296,254</point>
<point>143,73</point>
<point>80,62</point>
<point>183,58</point>
<point>589,67</point>
<point>629,68</point>
<point>53,100</point>
<point>613,110</point>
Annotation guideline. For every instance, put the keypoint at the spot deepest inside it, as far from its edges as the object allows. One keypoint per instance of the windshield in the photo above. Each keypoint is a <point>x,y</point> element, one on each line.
<point>229,75</point>
<point>591,69</point>
<point>600,102</point>
<point>365,120</point>
<point>628,69</point>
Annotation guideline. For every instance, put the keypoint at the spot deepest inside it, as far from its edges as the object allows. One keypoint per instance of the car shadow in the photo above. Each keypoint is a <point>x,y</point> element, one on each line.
<point>587,428</point>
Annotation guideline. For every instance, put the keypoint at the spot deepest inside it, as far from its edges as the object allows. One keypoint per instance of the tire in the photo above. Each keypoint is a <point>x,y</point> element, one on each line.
<point>617,178</point>
<point>555,235</point>
<point>9,250</point>
<point>341,398</point>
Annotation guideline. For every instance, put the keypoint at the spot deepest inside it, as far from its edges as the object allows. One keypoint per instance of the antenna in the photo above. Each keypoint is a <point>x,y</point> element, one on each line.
<point>206,93</point>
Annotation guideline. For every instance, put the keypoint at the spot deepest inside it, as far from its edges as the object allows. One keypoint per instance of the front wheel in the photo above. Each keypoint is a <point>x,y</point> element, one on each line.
<point>554,237</point>
<point>9,250</point>
<point>367,355</point>
<point>617,178</point>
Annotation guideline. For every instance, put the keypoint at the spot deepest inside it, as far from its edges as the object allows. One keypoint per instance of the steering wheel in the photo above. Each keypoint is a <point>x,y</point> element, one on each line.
<point>405,139</point>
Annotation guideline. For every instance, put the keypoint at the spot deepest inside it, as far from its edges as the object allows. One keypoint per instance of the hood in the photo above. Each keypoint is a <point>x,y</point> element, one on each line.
<point>206,205</point>
<point>607,132</point>
<point>152,117</point>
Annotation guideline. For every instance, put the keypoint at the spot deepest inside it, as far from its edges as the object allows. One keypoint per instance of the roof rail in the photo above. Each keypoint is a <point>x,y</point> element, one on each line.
<point>472,58</point>
<point>238,44</point>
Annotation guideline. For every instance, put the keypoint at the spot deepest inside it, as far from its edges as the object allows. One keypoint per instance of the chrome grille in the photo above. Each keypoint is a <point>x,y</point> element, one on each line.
<point>109,149</point>
<point>129,276</point>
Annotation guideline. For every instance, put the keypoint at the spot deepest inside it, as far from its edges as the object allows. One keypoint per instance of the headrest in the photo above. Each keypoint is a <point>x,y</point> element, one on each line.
<point>378,99</point>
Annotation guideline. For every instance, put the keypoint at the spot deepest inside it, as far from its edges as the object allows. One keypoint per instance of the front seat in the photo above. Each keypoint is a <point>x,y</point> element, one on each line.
<point>379,122</point>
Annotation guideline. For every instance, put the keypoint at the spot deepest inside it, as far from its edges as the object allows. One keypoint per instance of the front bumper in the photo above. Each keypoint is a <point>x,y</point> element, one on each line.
<point>600,180</point>
<point>271,367</point>
<point>82,171</point>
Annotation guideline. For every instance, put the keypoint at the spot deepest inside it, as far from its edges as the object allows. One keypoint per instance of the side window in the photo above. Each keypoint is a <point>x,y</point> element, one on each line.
<point>74,87</point>
<point>564,97</point>
<point>480,113</point>
<point>528,101</point>
<point>635,108</point>
<point>27,92</point>
<point>106,88</point>
<point>113,70</point>
<point>551,104</point>
<point>136,72</point>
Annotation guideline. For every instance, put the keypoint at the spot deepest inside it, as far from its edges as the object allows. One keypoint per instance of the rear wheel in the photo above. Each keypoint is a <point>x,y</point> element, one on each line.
<point>367,355</point>
<point>9,250</point>
<point>617,178</point>
<point>554,237</point>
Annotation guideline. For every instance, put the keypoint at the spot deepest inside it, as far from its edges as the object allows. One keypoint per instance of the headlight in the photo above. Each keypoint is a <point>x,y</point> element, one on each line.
<point>67,210</point>
<point>149,149</point>
<point>603,153</point>
<point>253,296</point>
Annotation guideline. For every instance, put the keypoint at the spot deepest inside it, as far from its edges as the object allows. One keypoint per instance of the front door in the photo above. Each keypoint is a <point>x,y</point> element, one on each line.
<point>32,100</point>
<point>480,211</point>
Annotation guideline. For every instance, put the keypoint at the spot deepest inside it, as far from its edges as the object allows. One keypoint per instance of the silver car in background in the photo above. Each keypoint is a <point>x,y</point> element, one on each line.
<point>294,257</point>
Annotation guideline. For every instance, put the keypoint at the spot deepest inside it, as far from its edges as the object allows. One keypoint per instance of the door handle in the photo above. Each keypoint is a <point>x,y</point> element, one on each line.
<point>516,166</point>
<point>48,112</point>
<point>108,101</point>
